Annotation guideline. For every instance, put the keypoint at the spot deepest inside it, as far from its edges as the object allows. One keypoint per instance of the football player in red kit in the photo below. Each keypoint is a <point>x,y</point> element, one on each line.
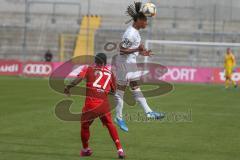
<point>100,82</point>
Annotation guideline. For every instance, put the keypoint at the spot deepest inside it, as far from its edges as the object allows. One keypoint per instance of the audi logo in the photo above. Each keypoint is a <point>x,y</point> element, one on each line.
<point>38,69</point>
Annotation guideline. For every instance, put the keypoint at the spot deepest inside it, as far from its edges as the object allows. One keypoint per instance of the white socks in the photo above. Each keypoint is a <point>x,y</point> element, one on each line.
<point>137,94</point>
<point>119,102</point>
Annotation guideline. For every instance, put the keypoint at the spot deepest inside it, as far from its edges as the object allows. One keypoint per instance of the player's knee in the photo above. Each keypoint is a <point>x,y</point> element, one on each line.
<point>121,87</point>
<point>135,85</point>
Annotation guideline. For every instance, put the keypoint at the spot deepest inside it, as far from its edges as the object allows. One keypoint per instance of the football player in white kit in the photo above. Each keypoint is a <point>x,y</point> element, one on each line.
<point>126,67</point>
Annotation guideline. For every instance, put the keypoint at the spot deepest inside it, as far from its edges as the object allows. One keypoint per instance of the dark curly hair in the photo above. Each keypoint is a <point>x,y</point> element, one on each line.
<point>134,11</point>
<point>101,59</point>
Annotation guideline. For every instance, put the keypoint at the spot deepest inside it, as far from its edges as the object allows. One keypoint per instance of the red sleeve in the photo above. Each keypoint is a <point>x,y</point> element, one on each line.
<point>83,72</point>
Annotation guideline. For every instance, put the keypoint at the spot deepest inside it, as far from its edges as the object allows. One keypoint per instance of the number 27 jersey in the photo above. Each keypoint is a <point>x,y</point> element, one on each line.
<point>99,82</point>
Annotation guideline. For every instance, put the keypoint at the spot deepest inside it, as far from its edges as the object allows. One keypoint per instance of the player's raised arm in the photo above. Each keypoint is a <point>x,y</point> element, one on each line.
<point>72,84</point>
<point>125,47</point>
<point>76,81</point>
<point>146,53</point>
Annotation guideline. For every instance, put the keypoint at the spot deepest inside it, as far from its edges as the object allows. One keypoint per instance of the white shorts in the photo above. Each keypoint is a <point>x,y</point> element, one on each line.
<point>127,72</point>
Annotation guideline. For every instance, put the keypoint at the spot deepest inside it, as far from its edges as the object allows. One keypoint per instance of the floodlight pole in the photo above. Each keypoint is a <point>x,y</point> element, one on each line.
<point>88,24</point>
<point>24,45</point>
<point>214,21</point>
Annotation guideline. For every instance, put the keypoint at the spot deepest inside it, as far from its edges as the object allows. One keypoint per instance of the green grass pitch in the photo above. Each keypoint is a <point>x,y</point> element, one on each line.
<point>29,129</point>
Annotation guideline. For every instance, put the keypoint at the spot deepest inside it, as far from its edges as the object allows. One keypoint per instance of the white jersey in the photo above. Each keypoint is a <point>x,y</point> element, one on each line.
<point>131,39</point>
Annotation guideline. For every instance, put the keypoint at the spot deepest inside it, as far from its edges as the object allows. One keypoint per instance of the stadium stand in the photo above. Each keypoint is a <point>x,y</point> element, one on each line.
<point>29,36</point>
<point>85,39</point>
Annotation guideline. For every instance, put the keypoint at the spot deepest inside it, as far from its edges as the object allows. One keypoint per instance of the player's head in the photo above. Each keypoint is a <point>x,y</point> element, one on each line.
<point>140,20</point>
<point>101,59</point>
<point>229,50</point>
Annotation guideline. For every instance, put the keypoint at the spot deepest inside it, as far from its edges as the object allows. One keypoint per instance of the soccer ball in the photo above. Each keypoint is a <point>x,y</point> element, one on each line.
<point>149,9</point>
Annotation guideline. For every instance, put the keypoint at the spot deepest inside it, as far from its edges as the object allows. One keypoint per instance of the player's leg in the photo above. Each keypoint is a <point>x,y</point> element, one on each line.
<point>121,70</point>
<point>234,83</point>
<point>230,78</point>
<point>85,135</point>
<point>227,81</point>
<point>87,119</point>
<point>107,121</point>
<point>139,97</point>
<point>119,100</point>
<point>227,77</point>
<point>119,107</point>
<point>137,94</point>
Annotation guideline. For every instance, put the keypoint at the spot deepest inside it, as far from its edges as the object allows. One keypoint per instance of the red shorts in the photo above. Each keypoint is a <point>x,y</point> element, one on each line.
<point>95,109</point>
<point>106,119</point>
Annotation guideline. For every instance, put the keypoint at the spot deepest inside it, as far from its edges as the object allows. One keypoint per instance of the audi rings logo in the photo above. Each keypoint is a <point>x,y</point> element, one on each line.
<point>37,69</point>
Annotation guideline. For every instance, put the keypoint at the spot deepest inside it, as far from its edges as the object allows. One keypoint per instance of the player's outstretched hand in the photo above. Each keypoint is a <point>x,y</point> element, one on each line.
<point>67,91</point>
<point>141,47</point>
<point>146,53</point>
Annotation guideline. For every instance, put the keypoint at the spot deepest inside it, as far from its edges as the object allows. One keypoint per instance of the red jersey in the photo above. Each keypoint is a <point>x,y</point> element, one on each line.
<point>99,82</point>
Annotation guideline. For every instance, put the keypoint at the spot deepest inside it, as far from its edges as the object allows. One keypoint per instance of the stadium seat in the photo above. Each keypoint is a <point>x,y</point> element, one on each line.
<point>85,38</point>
